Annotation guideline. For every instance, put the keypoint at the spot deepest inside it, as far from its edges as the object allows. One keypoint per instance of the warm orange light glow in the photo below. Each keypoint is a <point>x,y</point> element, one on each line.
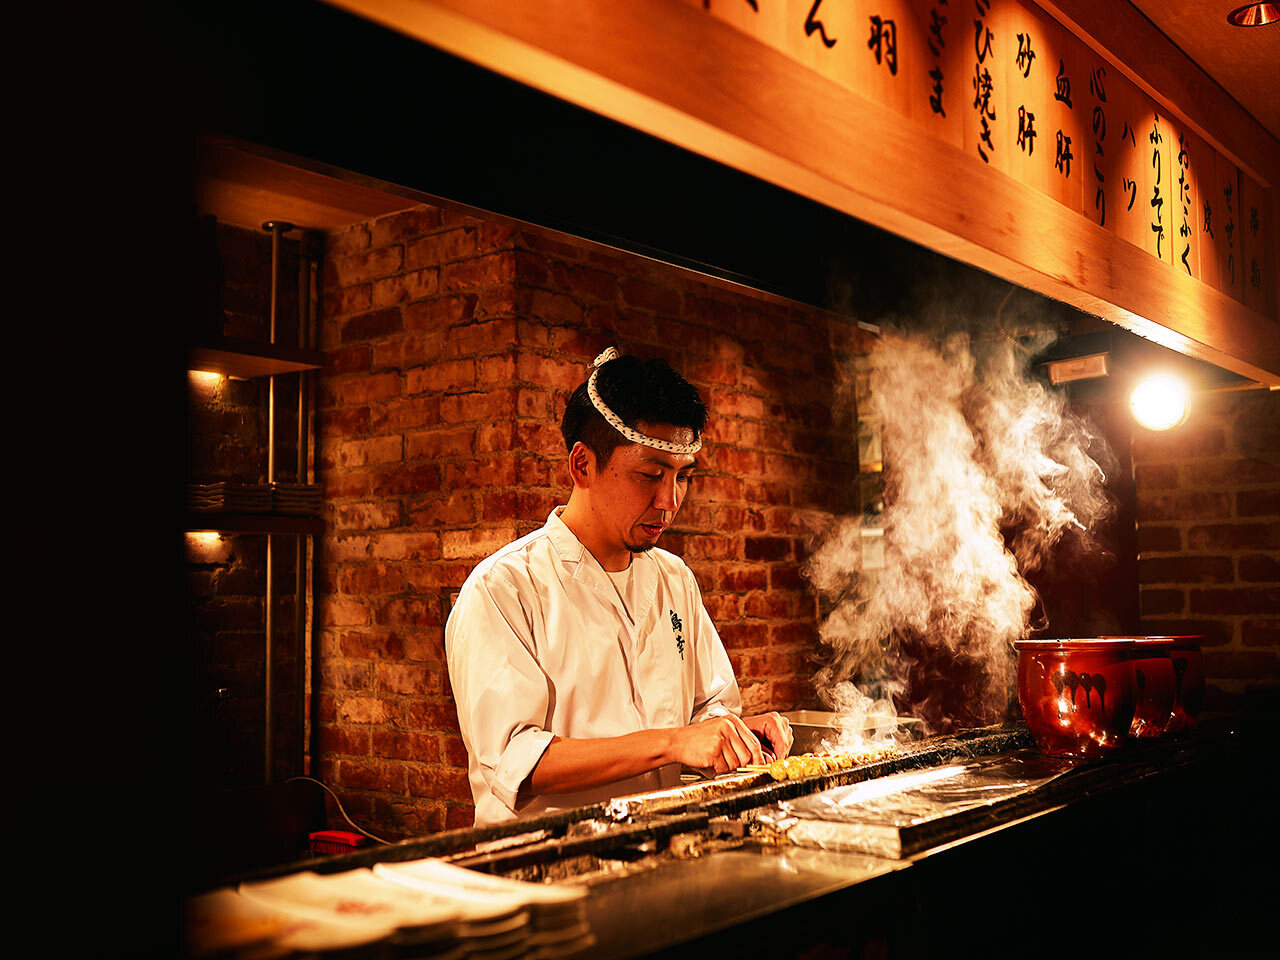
<point>208,379</point>
<point>1161,402</point>
<point>203,538</point>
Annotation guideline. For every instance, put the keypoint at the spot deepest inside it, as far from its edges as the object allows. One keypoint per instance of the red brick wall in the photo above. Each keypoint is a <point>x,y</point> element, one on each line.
<point>1209,539</point>
<point>453,345</point>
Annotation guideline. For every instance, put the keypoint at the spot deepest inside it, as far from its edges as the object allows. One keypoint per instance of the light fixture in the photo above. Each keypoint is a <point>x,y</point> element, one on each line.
<point>1079,368</point>
<point>1254,15</point>
<point>1160,402</point>
<point>201,543</point>
<point>208,379</point>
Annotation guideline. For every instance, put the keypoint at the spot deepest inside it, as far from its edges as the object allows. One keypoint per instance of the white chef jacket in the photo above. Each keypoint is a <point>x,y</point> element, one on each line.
<point>540,645</point>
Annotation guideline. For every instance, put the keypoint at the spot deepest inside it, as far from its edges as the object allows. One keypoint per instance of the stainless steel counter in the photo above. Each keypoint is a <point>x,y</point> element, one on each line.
<point>1149,838</point>
<point>639,914</point>
<point>1023,856</point>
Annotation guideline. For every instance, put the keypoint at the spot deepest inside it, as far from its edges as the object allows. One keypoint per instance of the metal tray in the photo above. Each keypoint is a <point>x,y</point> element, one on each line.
<point>810,727</point>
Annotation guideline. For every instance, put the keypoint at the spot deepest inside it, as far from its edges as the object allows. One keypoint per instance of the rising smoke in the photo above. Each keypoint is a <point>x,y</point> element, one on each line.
<point>985,472</point>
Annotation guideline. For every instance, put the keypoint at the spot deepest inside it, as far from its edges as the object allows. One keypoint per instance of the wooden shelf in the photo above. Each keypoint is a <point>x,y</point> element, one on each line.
<point>243,188</point>
<point>237,357</point>
<point>226,522</point>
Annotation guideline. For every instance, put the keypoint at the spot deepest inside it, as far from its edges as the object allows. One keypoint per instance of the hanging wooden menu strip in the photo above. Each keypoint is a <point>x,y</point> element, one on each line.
<point>1102,145</point>
<point>985,132</point>
<point>1027,96</point>
<point>1225,216</point>
<point>1070,112</point>
<point>1183,234</point>
<point>1161,184</point>
<point>1201,166</point>
<point>939,32</point>
<point>1254,235</point>
<point>886,47</point>
<point>1053,66</point>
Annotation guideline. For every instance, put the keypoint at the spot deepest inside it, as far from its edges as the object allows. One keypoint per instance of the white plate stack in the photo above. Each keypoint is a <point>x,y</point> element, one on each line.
<point>407,922</point>
<point>422,909</point>
<point>225,924</point>
<point>557,913</point>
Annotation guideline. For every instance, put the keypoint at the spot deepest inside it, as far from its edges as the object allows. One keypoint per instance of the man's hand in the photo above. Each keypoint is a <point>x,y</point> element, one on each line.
<point>721,744</point>
<point>774,730</point>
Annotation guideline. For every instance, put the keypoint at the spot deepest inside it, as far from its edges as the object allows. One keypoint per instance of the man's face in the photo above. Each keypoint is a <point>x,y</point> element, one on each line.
<point>640,489</point>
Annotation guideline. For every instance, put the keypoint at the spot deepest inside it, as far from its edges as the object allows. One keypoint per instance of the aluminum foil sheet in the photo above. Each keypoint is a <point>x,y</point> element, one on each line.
<point>892,816</point>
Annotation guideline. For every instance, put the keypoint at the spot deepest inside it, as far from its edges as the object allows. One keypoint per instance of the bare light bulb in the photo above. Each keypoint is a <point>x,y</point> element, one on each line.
<point>1160,402</point>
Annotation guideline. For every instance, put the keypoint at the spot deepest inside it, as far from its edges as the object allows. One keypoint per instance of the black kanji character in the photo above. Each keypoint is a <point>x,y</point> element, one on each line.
<point>884,37</point>
<point>1026,130</point>
<point>1063,161</point>
<point>1025,54</point>
<point>1064,84</point>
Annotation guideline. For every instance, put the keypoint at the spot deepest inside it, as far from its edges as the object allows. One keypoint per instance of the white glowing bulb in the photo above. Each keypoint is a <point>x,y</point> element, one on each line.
<point>1160,403</point>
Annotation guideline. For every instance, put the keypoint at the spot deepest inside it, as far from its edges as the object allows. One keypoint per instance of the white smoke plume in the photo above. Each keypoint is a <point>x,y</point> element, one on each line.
<point>984,472</point>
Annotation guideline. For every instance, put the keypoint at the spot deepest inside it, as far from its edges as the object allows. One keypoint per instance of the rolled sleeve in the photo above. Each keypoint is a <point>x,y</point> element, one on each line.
<point>516,763</point>
<point>501,692</point>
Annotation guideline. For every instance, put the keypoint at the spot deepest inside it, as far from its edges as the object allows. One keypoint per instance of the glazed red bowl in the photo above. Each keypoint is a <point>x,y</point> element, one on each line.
<point>1188,672</point>
<point>1077,696</point>
<point>1154,685</point>
<point>1184,679</point>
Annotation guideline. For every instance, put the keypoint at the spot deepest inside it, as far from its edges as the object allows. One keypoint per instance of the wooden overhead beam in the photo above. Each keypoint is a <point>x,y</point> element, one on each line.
<point>669,70</point>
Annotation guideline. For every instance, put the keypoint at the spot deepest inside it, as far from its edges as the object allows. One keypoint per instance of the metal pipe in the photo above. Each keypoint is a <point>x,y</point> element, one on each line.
<point>277,229</point>
<point>267,735</point>
<point>300,644</point>
<point>313,245</point>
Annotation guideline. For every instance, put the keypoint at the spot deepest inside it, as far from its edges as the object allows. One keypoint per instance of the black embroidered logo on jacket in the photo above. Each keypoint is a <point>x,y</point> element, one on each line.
<point>677,627</point>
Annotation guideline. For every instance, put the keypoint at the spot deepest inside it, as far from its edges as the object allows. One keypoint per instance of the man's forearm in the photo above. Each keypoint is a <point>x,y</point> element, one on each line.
<point>568,765</point>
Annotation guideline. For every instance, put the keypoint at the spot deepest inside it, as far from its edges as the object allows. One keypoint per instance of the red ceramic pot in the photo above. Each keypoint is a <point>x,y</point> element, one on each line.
<point>1154,685</point>
<point>1188,671</point>
<point>1077,696</point>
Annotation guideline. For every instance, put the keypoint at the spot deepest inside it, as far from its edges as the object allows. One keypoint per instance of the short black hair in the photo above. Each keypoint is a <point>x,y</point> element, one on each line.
<point>636,390</point>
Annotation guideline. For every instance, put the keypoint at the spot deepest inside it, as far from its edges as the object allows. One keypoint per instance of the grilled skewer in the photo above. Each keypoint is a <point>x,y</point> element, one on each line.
<point>808,764</point>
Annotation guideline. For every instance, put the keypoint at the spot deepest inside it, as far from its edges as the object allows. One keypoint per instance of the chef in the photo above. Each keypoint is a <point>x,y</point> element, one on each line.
<point>583,663</point>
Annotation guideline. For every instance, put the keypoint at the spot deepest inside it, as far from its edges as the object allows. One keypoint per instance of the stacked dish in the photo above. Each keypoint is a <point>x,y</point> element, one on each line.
<point>423,908</point>
<point>227,924</point>
<point>557,914</point>
<point>356,904</point>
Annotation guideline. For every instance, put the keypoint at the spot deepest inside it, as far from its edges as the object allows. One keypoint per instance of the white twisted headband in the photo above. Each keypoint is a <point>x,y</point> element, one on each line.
<point>615,421</point>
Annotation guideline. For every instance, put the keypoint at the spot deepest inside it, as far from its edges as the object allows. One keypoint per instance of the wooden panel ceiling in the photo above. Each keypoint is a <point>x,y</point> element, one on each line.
<point>244,189</point>
<point>1244,60</point>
